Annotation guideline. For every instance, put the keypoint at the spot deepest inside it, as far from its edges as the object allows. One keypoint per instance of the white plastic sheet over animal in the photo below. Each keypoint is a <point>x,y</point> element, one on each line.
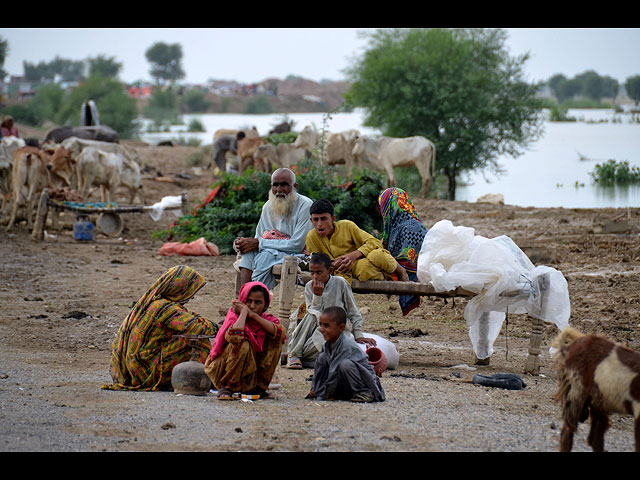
<point>501,275</point>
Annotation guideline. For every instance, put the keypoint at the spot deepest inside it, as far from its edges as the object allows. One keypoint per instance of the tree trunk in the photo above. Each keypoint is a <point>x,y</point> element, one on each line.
<point>452,185</point>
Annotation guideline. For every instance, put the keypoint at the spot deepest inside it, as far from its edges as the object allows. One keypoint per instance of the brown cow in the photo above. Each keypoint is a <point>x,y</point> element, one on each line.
<point>33,170</point>
<point>246,150</point>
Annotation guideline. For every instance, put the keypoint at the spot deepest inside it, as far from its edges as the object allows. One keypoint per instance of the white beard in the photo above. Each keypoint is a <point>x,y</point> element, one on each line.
<point>280,208</point>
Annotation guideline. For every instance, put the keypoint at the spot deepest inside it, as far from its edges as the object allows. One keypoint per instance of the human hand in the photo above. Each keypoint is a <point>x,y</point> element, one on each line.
<point>238,306</point>
<point>317,287</point>
<point>246,244</point>
<point>368,341</point>
<point>343,263</point>
<point>311,394</point>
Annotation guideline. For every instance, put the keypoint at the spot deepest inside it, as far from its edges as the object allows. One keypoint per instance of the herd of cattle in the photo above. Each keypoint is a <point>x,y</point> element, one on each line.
<point>70,166</point>
<point>69,169</point>
<point>348,147</point>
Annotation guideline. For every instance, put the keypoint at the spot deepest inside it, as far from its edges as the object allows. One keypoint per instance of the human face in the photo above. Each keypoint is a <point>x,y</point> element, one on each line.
<point>319,272</point>
<point>329,328</point>
<point>255,302</point>
<point>281,184</point>
<point>323,223</point>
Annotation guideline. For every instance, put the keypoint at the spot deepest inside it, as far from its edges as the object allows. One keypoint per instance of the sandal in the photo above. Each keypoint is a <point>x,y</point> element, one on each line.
<point>294,363</point>
<point>225,394</point>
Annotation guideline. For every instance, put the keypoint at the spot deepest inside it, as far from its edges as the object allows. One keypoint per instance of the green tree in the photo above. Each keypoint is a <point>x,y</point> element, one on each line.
<point>163,106</point>
<point>68,70</point>
<point>457,87</point>
<point>195,102</point>
<point>4,50</point>
<point>632,87</point>
<point>105,66</point>
<point>117,110</point>
<point>166,62</point>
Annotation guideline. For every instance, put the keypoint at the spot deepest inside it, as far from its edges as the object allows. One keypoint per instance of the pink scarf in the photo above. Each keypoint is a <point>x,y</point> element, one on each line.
<point>252,330</point>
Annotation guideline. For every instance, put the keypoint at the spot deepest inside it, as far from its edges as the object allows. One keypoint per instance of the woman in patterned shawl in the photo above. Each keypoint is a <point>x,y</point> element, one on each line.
<point>247,349</point>
<point>145,351</point>
<point>402,235</point>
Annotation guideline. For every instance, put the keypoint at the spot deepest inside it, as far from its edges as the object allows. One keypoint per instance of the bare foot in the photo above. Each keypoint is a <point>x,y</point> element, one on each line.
<point>402,274</point>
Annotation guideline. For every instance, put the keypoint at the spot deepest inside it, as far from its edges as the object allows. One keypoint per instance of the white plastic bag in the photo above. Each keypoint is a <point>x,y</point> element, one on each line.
<point>158,208</point>
<point>501,275</point>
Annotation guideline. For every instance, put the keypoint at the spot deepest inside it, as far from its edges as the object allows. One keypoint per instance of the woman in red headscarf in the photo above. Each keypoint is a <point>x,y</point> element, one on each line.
<point>247,348</point>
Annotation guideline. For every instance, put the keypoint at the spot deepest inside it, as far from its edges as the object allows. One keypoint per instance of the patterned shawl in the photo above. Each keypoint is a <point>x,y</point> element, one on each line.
<point>252,330</point>
<point>403,234</point>
<point>144,351</point>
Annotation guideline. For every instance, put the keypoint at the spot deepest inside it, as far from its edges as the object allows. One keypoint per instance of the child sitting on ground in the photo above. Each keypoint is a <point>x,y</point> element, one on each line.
<point>247,347</point>
<point>342,370</point>
<point>324,290</point>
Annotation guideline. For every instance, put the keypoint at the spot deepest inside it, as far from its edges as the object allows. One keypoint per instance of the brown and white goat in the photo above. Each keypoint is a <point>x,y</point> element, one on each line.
<point>597,377</point>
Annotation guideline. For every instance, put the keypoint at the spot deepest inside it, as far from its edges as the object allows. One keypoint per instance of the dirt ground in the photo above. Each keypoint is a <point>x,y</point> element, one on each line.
<point>63,301</point>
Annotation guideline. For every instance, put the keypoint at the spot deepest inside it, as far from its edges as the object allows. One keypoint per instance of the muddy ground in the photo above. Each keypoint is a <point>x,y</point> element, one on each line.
<point>62,302</point>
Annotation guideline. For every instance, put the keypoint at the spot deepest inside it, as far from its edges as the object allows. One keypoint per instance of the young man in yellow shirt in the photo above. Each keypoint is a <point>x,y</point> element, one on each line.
<point>355,253</point>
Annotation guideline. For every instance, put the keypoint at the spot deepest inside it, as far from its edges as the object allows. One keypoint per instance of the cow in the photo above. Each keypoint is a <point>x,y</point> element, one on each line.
<point>101,133</point>
<point>281,155</point>
<point>29,176</point>
<point>340,149</point>
<point>246,151</point>
<point>250,133</point>
<point>76,145</point>
<point>281,128</point>
<point>107,170</point>
<point>389,152</point>
<point>311,140</point>
<point>7,146</point>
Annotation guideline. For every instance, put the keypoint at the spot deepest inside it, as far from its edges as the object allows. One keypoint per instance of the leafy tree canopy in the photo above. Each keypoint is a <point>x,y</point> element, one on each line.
<point>166,62</point>
<point>632,87</point>
<point>457,87</point>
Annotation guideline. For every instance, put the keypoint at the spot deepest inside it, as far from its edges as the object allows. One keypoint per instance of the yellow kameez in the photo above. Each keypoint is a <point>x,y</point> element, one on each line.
<point>377,264</point>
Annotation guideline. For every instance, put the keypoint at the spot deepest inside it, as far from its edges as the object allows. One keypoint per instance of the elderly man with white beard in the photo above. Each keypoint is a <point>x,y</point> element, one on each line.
<point>281,231</point>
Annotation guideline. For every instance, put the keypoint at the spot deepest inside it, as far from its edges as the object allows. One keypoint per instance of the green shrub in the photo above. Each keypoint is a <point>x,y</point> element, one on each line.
<point>612,172</point>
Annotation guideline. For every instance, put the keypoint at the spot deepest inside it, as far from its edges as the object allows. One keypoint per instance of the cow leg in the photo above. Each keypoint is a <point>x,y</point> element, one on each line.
<point>599,426</point>
<point>637,433</point>
<point>14,211</point>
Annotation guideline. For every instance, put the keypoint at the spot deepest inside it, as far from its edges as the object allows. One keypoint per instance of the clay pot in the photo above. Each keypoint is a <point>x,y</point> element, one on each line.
<point>189,378</point>
<point>377,359</point>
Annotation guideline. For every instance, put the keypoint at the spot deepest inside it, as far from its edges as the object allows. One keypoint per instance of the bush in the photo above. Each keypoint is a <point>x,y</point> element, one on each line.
<point>612,172</point>
<point>235,211</point>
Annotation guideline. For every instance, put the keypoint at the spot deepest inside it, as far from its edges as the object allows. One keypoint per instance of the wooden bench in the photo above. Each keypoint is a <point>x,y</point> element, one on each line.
<point>288,274</point>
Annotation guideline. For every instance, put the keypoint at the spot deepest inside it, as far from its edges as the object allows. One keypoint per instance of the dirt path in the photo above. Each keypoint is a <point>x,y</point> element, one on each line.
<point>62,302</point>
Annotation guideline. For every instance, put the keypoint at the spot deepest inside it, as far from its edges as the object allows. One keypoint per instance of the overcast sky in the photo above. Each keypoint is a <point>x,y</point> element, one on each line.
<point>252,55</point>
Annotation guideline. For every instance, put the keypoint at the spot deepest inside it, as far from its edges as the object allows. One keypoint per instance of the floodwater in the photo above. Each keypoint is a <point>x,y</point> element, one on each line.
<point>552,172</point>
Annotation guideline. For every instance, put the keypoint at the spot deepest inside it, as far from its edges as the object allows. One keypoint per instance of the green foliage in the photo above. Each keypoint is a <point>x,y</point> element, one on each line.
<point>195,102</point>
<point>559,114</point>
<point>166,62</point>
<point>116,109</point>
<point>105,66</point>
<point>615,173</point>
<point>235,211</point>
<point>45,105</point>
<point>457,87</point>
<point>195,125</point>
<point>588,84</point>
<point>259,104</point>
<point>285,137</point>
<point>162,107</point>
<point>632,87</point>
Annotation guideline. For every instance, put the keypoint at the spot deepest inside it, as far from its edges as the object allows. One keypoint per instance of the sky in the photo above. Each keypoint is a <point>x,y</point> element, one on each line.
<point>254,54</point>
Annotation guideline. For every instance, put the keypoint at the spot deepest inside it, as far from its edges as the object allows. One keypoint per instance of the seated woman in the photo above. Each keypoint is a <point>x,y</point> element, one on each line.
<point>145,351</point>
<point>247,349</point>
<point>402,235</point>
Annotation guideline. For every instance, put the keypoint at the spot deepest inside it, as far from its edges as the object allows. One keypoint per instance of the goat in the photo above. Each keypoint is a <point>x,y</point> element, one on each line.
<point>597,377</point>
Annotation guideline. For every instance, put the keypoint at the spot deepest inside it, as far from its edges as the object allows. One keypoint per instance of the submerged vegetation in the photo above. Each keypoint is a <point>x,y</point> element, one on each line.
<point>613,172</point>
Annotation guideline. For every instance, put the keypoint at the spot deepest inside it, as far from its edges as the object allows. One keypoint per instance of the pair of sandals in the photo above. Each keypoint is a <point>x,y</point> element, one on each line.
<point>294,363</point>
<point>226,394</point>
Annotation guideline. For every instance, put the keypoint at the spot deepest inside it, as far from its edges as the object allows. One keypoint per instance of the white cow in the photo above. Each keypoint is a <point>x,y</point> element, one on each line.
<point>7,146</point>
<point>108,171</point>
<point>310,140</point>
<point>76,145</point>
<point>389,152</point>
<point>281,155</point>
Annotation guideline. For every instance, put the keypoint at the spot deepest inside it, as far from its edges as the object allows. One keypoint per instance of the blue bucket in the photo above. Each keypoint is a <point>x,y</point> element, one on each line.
<point>83,229</point>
